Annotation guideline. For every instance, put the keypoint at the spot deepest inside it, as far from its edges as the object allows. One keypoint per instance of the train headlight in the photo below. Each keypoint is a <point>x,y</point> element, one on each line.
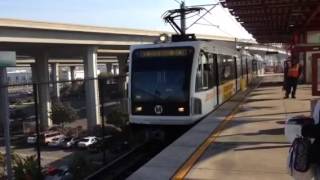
<point>138,109</point>
<point>163,38</point>
<point>181,109</point>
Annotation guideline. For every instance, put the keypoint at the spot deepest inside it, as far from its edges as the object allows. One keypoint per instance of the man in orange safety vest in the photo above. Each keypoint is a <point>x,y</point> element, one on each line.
<point>292,73</point>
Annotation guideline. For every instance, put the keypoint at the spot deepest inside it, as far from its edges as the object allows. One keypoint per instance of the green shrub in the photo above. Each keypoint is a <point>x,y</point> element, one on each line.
<point>26,168</point>
<point>62,113</point>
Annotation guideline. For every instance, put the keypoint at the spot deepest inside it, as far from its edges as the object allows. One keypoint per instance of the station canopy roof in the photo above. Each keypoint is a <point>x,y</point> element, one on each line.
<point>275,21</point>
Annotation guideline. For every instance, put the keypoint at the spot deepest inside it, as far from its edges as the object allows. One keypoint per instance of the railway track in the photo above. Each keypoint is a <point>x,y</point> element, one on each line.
<point>126,164</point>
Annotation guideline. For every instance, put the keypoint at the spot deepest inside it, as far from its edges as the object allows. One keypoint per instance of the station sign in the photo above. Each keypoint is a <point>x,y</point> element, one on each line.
<point>165,52</point>
<point>7,58</point>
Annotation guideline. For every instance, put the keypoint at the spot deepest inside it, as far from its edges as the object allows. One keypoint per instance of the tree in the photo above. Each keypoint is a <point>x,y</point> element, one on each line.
<point>62,113</point>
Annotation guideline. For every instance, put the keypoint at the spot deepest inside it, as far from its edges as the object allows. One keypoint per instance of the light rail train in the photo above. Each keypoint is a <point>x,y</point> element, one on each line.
<point>178,83</point>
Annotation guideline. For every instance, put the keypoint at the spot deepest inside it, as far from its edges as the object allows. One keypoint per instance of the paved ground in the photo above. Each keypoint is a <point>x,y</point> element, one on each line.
<point>253,145</point>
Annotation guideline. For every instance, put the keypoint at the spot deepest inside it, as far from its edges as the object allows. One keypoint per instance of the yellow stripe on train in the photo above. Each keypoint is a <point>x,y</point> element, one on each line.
<point>228,90</point>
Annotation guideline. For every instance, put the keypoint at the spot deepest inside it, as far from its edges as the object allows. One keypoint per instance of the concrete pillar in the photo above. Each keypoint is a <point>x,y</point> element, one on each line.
<point>72,71</point>
<point>54,78</point>
<point>91,88</point>
<point>122,69</point>
<point>41,73</point>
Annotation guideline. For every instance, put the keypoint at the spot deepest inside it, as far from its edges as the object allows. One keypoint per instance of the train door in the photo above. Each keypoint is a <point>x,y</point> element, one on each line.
<point>216,64</point>
<point>238,72</point>
<point>244,76</point>
<point>206,85</point>
<point>247,69</point>
<point>227,77</point>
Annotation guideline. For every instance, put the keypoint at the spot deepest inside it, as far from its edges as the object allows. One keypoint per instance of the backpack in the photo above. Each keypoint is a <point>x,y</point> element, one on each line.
<point>299,155</point>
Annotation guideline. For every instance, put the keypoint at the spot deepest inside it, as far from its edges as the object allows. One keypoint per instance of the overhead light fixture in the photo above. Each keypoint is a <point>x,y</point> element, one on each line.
<point>291,25</point>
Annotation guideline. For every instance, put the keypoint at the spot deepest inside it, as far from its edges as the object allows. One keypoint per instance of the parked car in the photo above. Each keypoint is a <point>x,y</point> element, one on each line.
<point>60,173</point>
<point>70,142</point>
<point>100,144</point>
<point>87,141</point>
<point>56,142</point>
<point>32,139</point>
<point>45,137</point>
<point>50,135</point>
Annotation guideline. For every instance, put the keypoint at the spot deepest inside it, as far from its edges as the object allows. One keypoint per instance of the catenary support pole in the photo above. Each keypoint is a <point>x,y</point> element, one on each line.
<point>183,18</point>
<point>4,118</point>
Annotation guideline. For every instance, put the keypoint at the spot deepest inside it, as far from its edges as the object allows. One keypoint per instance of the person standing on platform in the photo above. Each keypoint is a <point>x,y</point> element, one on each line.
<point>285,72</point>
<point>292,73</point>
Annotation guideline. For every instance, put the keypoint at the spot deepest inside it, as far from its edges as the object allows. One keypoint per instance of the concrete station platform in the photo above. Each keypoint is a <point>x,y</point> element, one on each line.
<point>243,139</point>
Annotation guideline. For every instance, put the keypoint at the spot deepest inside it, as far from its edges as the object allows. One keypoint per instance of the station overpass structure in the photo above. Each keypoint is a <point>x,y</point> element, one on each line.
<point>41,43</point>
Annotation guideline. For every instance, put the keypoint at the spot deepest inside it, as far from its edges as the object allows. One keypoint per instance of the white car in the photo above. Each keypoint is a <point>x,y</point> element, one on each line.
<point>70,142</point>
<point>87,141</point>
<point>56,142</point>
<point>32,139</point>
<point>45,137</point>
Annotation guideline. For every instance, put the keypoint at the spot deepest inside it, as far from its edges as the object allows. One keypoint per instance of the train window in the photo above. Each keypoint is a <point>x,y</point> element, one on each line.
<point>206,72</point>
<point>238,62</point>
<point>202,82</point>
<point>227,72</point>
<point>212,70</point>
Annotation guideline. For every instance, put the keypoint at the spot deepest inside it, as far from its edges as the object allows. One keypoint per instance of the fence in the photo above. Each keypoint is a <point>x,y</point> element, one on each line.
<point>68,114</point>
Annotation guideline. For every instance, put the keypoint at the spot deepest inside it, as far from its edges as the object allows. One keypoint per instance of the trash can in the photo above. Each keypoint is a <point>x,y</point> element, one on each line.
<point>294,125</point>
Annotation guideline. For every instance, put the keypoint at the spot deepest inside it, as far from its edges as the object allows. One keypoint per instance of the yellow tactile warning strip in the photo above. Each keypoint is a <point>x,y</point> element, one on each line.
<point>187,166</point>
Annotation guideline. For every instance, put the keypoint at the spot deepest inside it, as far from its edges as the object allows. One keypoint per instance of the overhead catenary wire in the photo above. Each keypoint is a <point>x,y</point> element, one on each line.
<point>171,15</point>
<point>214,25</point>
<point>179,2</point>
<point>210,22</point>
<point>232,19</point>
<point>207,11</point>
<point>203,5</point>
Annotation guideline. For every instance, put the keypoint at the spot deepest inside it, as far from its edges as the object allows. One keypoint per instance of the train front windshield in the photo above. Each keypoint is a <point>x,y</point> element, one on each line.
<point>161,76</point>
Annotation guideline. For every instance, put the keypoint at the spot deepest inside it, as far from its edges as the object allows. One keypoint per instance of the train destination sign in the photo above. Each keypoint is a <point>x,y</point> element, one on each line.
<point>7,58</point>
<point>164,52</point>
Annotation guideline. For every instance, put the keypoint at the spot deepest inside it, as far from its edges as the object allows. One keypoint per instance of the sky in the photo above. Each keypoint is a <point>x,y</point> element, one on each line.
<point>137,14</point>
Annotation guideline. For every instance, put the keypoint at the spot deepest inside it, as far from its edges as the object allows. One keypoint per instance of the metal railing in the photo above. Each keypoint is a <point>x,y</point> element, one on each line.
<point>24,112</point>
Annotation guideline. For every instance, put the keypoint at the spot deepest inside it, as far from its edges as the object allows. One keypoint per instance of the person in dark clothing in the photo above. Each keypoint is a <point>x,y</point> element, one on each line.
<point>292,73</point>
<point>285,72</point>
<point>313,131</point>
